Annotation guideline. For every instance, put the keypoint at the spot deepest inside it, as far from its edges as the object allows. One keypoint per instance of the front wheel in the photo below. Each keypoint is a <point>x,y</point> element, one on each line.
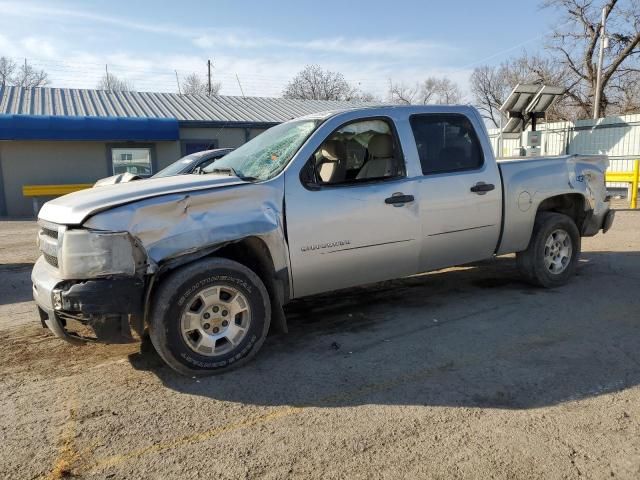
<point>552,255</point>
<point>209,316</point>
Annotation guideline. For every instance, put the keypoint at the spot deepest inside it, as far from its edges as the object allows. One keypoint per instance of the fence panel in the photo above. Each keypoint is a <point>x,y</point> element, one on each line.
<point>617,136</point>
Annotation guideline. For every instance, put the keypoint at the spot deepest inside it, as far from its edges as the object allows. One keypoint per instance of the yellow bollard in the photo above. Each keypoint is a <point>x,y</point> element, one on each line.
<point>635,182</point>
<point>632,178</point>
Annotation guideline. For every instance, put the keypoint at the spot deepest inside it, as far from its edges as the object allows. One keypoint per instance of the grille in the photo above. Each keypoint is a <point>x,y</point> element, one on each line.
<point>48,240</point>
<point>51,260</point>
<point>50,233</point>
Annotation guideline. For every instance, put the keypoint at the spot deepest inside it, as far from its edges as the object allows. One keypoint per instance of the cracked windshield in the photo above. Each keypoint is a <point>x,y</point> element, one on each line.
<point>267,154</point>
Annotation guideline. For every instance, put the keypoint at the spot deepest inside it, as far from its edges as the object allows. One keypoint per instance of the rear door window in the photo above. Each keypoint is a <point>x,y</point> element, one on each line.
<point>446,143</point>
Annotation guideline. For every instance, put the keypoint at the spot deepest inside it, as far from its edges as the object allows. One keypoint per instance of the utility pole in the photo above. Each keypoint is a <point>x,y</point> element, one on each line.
<point>209,77</point>
<point>596,106</point>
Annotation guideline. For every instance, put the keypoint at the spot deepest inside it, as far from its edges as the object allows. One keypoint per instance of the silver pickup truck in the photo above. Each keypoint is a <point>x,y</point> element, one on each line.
<point>205,263</point>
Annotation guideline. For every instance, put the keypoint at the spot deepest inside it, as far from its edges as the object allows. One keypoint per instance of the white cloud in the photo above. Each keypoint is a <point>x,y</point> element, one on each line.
<point>20,9</point>
<point>335,45</point>
<point>7,47</point>
<point>264,64</point>
<point>41,47</point>
<point>261,75</point>
<point>238,39</point>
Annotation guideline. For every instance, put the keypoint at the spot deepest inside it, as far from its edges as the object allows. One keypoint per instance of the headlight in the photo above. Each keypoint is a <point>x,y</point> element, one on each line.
<point>88,254</point>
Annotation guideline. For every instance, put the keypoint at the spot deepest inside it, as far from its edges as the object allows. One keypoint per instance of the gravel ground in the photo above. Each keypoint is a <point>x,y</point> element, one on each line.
<point>463,373</point>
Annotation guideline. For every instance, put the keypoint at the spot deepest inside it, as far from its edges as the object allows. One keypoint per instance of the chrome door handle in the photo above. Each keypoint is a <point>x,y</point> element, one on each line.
<point>398,199</point>
<point>481,188</point>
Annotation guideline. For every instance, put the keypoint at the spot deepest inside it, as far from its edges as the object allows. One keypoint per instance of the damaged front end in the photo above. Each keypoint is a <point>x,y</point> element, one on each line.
<point>95,281</point>
<point>105,310</point>
<point>89,285</point>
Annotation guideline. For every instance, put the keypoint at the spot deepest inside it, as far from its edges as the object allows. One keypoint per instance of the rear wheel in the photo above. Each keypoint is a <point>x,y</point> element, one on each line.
<point>209,317</point>
<point>553,251</point>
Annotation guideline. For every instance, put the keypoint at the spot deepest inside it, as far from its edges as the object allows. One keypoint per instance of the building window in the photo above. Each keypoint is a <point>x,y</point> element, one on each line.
<point>132,160</point>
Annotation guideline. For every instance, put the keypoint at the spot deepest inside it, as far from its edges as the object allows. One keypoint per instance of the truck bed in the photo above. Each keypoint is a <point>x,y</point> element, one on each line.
<point>527,181</point>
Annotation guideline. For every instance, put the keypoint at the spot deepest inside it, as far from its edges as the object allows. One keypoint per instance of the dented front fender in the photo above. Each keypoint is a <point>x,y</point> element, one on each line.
<point>181,224</point>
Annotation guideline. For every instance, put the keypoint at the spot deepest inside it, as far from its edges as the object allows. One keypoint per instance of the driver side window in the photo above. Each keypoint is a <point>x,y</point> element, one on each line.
<point>357,152</point>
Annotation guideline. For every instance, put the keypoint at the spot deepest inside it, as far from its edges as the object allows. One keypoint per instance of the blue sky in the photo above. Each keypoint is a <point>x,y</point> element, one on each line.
<point>267,42</point>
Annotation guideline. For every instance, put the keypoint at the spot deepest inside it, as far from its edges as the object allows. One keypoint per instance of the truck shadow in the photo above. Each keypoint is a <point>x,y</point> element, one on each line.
<point>16,283</point>
<point>474,337</point>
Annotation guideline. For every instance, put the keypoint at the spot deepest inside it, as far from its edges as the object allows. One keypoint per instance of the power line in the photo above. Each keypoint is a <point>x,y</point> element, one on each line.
<point>88,67</point>
<point>75,74</point>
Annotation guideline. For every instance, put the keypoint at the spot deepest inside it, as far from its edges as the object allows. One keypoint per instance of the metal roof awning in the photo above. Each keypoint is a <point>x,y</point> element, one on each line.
<point>45,127</point>
<point>74,102</point>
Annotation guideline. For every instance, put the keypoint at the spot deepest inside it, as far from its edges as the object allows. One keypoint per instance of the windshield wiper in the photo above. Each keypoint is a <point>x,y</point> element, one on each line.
<point>232,173</point>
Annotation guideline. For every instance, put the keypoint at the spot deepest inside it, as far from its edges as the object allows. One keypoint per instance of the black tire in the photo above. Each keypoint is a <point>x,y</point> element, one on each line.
<point>174,295</point>
<point>531,262</point>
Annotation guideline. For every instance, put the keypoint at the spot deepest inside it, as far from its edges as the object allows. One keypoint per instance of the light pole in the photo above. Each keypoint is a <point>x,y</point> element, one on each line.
<point>596,106</point>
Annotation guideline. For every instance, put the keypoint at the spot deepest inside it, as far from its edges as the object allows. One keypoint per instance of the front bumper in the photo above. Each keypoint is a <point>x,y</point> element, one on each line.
<point>89,310</point>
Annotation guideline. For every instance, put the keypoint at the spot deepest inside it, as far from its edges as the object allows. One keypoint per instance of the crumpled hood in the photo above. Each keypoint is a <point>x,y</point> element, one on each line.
<point>74,208</point>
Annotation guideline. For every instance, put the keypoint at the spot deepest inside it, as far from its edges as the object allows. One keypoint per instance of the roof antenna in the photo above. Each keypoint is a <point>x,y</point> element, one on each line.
<point>240,85</point>
<point>106,69</point>
<point>178,82</point>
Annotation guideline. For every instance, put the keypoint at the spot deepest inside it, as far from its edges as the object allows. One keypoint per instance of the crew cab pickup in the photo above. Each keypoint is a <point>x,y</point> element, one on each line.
<point>204,263</point>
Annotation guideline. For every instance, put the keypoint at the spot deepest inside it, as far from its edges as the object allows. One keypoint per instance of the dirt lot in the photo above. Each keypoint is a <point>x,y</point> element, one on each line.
<point>464,373</point>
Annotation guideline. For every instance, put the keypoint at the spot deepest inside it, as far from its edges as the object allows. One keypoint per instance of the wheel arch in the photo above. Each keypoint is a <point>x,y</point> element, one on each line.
<point>573,205</point>
<point>253,253</point>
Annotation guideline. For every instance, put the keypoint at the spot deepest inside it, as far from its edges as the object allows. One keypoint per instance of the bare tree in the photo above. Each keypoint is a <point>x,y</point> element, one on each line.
<point>314,83</point>
<point>29,77</point>
<point>441,91</point>
<point>112,83</point>
<point>433,90</point>
<point>402,93</point>
<point>626,93</point>
<point>572,64</point>
<point>193,84</point>
<point>7,69</point>
<point>363,96</point>
<point>575,46</point>
<point>490,89</point>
